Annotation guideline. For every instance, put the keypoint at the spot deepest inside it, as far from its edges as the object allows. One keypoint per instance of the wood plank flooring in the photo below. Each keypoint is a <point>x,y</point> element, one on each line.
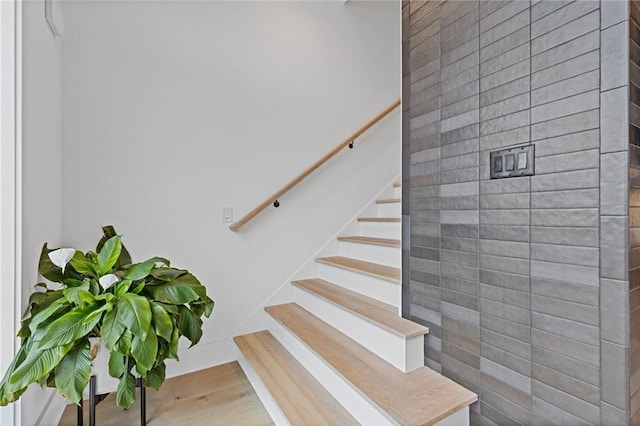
<point>219,395</point>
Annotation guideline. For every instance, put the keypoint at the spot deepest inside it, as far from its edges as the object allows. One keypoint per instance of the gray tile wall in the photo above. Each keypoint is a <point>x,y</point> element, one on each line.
<point>522,281</point>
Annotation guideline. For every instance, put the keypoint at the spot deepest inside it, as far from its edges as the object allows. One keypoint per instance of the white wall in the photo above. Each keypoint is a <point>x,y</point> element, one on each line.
<point>41,162</point>
<point>8,194</point>
<point>174,109</point>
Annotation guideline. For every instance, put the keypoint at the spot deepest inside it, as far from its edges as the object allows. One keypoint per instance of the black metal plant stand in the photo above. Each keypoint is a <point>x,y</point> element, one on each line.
<point>95,399</point>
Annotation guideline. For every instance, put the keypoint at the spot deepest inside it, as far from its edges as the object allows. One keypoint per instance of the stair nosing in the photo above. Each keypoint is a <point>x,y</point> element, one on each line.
<point>388,200</point>
<point>380,219</point>
<point>420,330</point>
<point>330,260</point>
<point>375,241</point>
<point>362,359</point>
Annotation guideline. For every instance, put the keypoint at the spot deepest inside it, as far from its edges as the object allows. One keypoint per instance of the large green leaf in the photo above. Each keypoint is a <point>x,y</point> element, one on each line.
<point>190,325</point>
<point>79,295</point>
<point>167,274</point>
<point>156,376</point>
<point>109,232</point>
<point>36,365</point>
<point>48,313</point>
<point>126,393</point>
<point>38,301</point>
<point>84,265</point>
<point>174,345</point>
<point>111,330</point>
<point>208,307</point>
<point>144,352</point>
<point>184,289</point>
<point>134,313</point>
<point>5,396</point>
<point>69,328</point>
<point>116,365</point>
<point>161,321</point>
<point>122,287</point>
<point>73,372</point>
<point>124,342</point>
<point>109,254</point>
<point>140,270</point>
<point>47,269</point>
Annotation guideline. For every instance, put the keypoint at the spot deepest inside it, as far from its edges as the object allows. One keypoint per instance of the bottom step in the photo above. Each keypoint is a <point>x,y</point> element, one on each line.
<point>300,397</point>
<point>421,397</point>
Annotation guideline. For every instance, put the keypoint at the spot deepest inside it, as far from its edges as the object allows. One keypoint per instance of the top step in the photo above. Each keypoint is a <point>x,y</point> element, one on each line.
<point>421,397</point>
<point>380,219</point>
<point>397,184</point>
<point>388,200</point>
<point>301,398</point>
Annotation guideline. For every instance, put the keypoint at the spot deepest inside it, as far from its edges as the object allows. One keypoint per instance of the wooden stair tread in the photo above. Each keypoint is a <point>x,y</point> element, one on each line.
<point>388,273</point>
<point>374,311</point>
<point>379,219</point>
<point>302,399</point>
<point>388,200</point>
<point>385,242</point>
<point>421,397</point>
<point>397,184</point>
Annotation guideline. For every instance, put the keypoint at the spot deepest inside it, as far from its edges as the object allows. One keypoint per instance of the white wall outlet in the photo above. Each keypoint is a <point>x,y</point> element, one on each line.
<point>227,214</point>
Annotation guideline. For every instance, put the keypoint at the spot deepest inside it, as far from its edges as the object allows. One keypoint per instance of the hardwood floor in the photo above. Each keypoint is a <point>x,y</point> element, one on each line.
<point>220,395</point>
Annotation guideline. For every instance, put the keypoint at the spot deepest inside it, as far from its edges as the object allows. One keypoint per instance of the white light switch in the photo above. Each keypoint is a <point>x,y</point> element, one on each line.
<point>227,214</point>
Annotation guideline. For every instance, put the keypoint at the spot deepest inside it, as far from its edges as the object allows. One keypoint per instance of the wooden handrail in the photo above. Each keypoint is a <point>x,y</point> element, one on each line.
<point>236,226</point>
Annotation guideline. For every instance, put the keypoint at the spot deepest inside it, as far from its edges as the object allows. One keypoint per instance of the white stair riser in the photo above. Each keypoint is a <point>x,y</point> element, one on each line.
<point>459,418</point>
<point>375,288</point>
<point>391,256</point>
<point>361,409</point>
<point>397,192</point>
<point>392,348</point>
<point>381,229</point>
<point>262,391</point>
<point>390,210</point>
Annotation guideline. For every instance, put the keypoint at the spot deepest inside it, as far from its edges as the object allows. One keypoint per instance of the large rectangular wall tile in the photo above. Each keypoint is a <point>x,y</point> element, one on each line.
<point>614,382</point>
<point>566,68</point>
<point>567,51</point>
<point>567,402</point>
<point>589,139</point>
<point>614,320</point>
<point>614,57</point>
<point>613,247</point>
<point>614,12</point>
<point>564,272</point>
<point>614,184</point>
<point>566,32</point>
<point>614,118</point>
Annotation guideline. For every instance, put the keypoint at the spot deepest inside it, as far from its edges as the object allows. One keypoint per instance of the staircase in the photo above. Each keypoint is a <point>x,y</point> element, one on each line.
<point>340,353</point>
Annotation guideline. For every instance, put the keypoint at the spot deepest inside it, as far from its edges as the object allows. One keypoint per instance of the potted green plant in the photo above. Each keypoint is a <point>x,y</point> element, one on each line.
<point>139,311</point>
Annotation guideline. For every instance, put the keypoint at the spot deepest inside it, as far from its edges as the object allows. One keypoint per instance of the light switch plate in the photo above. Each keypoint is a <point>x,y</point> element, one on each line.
<point>512,162</point>
<point>227,214</point>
